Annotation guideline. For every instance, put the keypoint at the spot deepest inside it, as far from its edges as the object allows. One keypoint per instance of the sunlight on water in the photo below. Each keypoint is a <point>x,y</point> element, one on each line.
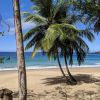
<point>41,61</point>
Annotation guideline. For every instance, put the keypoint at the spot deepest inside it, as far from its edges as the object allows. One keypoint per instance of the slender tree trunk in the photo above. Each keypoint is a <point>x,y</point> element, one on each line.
<point>72,79</point>
<point>20,52</point>
<point>61,67</point>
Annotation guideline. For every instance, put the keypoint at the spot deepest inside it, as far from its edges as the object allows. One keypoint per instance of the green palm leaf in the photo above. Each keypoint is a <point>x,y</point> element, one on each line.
<point>35,50</point>
<point>55,30</point>
<point>87,34</point>
<point>34,18</point>
<point>31,33</point>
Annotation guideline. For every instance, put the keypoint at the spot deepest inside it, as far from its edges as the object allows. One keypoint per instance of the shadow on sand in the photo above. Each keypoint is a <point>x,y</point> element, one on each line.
<point>81,78</point>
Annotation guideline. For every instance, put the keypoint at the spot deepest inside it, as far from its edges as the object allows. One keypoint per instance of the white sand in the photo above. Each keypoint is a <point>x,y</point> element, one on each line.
<point>49,79</point>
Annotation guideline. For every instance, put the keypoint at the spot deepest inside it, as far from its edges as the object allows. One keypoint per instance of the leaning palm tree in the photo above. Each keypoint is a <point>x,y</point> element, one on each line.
<point>54,28</point>
<point>68,40</point>
<point>20,52</point>
<point>43,18</point>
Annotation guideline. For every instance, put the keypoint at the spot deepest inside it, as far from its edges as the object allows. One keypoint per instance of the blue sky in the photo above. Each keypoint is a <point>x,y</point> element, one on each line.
<point>8,43</point>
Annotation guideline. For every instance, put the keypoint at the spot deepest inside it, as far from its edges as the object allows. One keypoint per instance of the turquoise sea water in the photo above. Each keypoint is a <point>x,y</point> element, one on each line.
<point>41,61</point>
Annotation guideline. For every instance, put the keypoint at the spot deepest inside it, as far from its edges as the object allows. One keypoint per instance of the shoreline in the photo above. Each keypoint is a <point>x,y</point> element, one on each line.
<point>77,70</point>
<point>49,67</point>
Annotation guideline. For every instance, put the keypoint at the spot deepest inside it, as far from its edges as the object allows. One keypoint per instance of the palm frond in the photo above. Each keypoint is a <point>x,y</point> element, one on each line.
<point>30,44</point>
<point>36,38</point>
<point>44,7</point>
<point>34,18</point>
<point>35,8</point>
<point>57,8</point>
<point>31,33</point>
<point>87,34</point>
<point>82,44</point>
<point>35,50</point>
<point>56,31</point>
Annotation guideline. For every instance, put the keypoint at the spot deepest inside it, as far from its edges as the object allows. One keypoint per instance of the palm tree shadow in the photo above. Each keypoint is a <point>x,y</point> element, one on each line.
<point>81,78</point>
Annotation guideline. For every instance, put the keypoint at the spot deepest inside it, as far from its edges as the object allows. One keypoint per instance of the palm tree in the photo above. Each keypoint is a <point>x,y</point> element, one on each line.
<point>54,31</point>
<point>67,43</point>
<point>20,52</point>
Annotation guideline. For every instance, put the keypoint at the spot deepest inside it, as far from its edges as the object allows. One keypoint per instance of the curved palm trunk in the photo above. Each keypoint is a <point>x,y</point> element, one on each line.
<point>61,67</point>
<point>20,52</point>
<point>72,79</point>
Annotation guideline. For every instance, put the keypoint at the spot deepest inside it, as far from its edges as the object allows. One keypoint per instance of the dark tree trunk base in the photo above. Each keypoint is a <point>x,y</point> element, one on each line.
<point>71,79</point>
<point>6,94</point>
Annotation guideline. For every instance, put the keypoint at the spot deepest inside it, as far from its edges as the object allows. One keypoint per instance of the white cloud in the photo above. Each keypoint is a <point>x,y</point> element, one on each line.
<point>25,26</point>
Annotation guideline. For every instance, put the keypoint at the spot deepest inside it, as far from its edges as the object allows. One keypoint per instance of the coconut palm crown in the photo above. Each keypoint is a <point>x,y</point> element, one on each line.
<point>55,33</point>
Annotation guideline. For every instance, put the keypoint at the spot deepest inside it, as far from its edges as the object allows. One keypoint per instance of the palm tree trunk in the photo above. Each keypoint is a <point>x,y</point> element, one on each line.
<point>20,52</point>
<point>60,66</point>
<point>72,79</point>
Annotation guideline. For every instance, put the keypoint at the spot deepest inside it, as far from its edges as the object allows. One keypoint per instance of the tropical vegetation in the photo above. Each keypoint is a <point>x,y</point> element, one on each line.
<point>1,59</point>
<point>55,33</point>
<point>89,13</point>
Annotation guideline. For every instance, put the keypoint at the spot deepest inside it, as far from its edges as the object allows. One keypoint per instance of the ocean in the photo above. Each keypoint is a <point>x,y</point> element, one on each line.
<point>41,61</point>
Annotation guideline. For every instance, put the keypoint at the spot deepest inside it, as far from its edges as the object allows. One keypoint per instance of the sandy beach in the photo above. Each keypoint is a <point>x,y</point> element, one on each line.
<point>44,81</point>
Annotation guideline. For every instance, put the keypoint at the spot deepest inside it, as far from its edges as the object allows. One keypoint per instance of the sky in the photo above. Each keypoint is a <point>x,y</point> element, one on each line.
<point>8,42</point>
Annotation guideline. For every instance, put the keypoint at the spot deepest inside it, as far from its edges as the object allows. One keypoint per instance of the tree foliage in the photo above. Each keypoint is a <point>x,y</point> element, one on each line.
<point>89,13</point>
<point>55,31</point>
<point>1,59</point>
<point>53,24</point>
